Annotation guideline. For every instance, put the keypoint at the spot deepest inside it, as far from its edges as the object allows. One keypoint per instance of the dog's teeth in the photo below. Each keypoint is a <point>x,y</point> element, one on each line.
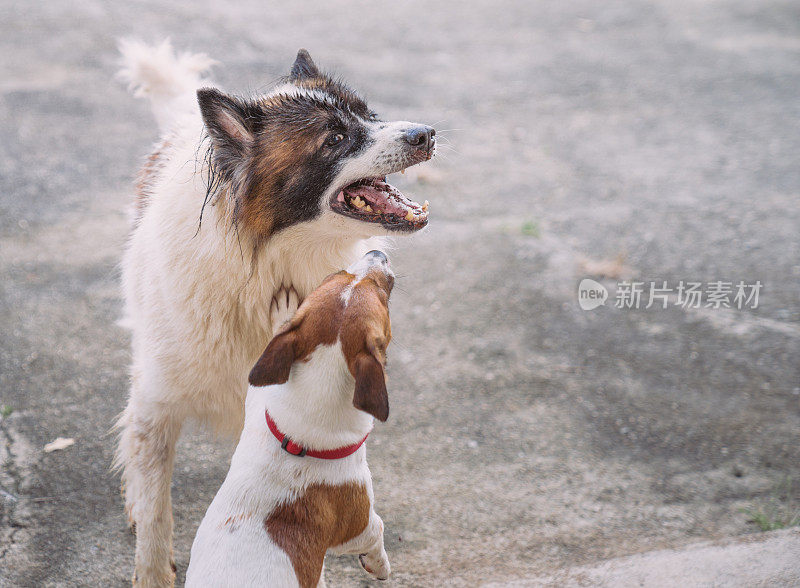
<point>409,216</point>
<point>357,202</point>
<point>368,208</point>
<point>425,206</point>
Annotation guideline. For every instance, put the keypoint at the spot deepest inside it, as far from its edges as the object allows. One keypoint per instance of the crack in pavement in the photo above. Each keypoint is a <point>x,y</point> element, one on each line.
<point>14,506</point>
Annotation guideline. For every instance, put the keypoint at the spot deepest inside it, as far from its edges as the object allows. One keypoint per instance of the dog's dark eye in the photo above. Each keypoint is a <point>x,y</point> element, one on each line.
<point>373,116</point>
<point>334,139</point>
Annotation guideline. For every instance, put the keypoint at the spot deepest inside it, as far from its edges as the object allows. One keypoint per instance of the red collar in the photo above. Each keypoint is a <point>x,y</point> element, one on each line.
<point>296,449</point>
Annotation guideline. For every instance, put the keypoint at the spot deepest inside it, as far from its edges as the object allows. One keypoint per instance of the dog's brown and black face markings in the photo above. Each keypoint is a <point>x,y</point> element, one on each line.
<point>277,156</point>
<point>281,153</point>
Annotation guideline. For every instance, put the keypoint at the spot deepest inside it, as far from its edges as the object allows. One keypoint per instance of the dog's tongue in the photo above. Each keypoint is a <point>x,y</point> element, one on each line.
<point>383,198</point>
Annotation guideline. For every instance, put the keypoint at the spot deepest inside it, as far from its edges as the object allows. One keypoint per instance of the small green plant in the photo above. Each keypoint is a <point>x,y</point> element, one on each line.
<point>530,229</point>
<point>781,511</point>
<point>5,410</point>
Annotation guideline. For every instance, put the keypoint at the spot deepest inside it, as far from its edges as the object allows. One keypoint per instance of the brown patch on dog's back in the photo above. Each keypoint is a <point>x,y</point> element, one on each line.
<point>323,517</point>
<point>146,179</point>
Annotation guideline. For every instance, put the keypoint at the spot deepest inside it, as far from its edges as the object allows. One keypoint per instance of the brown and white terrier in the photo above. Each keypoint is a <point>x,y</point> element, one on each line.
<point>299,485</point>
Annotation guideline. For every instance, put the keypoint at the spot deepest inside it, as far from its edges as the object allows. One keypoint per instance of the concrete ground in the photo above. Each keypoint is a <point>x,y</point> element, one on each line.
<point>528,438</point>
<point>764,559</point>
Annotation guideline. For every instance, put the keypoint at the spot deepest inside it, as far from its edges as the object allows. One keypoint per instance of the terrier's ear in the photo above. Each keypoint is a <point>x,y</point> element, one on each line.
<point>370,395</point>
<point>275,363</point>
<point>228,120</point>
<point>304,67</point>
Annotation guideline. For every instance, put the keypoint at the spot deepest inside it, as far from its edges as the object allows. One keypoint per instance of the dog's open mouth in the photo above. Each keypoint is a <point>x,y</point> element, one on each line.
<point>373,200</point>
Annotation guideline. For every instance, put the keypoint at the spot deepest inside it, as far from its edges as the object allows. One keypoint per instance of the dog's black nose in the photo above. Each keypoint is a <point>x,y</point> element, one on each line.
<point>420,137</point>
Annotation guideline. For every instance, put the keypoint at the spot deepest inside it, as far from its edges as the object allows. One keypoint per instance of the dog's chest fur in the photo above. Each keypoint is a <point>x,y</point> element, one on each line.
<point>198,296</point>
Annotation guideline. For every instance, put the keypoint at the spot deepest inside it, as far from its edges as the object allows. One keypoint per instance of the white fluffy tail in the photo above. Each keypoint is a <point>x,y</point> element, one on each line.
<point>168,79</point>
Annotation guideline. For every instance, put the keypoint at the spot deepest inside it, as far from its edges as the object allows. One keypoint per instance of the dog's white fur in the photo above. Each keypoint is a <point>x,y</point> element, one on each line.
<point>314,408</point>
<point>168,79</point>
<point>198,301</point>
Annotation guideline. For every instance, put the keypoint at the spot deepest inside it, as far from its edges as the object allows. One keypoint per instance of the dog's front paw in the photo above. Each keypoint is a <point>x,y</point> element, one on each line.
<point>376,566</point>
<point>284,305</point>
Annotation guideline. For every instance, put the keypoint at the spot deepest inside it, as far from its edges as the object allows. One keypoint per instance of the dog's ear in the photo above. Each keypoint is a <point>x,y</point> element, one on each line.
<point>304,67</point>
<point>370,395</point>
<point>275,363</point>
<point>228,120</point>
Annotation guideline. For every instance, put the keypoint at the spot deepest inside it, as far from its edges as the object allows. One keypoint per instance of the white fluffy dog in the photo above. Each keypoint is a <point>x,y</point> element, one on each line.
<point>290,186</point>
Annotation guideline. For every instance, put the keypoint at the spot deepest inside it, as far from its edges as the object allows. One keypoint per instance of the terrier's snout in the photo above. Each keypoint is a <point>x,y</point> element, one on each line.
<point>421,137</point>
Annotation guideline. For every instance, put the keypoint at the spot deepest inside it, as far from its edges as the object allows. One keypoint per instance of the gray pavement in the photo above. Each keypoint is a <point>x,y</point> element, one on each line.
<point>766,559</point>
<point>646,140</point>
